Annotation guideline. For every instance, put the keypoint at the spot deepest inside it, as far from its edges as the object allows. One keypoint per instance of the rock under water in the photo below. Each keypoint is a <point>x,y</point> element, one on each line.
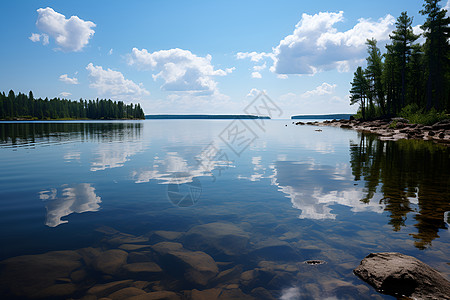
<point>402,275</point>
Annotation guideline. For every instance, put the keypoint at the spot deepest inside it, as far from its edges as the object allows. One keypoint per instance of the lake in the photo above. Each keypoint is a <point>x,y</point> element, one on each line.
<point>240,208</point>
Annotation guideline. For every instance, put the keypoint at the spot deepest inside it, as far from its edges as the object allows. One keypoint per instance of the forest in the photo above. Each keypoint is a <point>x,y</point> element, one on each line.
<point>410,79</point>
<point>26,107</point>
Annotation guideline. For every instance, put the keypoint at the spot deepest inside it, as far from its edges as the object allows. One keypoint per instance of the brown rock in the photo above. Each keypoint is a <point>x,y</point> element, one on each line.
<point>197,267</point>
<point>110,262</point>
<point>89,254</point>
<point>124,238</point>
<point>217,237</point>
<point>261,293</point>
<point>102,290</point>
<point>232,274</point>
<point>166,235</point>
<point>211,294</point>
<point>132,247</point>
<point>78,275</point>
<point>126,293</point>
<point>161,295</point>
<point>144,270</point>
<point>402,275</point>
<point>24,276</point>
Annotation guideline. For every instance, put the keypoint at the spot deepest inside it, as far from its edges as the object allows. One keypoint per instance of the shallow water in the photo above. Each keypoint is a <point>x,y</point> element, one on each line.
<point>268,196</point>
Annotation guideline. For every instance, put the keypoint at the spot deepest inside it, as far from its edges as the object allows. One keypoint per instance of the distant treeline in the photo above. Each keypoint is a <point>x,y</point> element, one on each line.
<point>410,78</point>
<point>205,117</point>
<point>22,106</point>
<point>332,116</point>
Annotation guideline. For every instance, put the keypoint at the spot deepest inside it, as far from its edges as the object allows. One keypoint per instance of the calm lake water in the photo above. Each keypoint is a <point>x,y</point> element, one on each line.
<point>253,198</point>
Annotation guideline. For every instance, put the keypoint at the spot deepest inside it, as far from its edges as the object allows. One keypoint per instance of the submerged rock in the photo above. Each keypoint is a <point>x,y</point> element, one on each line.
<point>31,276</point>
<point>110,262</point>
<point>144,270</point>
<point>163,235</point>
<point>402,275</point>
<point>197,267</point>
<point>102,290</point>
<point>126,293</point>
<point>274,249</point>
<point>161,295</point>
<point>217,238</point>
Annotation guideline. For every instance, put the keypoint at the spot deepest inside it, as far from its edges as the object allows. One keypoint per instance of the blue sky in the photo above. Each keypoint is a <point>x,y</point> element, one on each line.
<point>194,56</point>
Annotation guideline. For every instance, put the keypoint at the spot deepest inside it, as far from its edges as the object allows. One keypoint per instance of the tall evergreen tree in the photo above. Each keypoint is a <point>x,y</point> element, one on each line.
<point>359,91</point>
<point>403,38</point>
<point>374,73</point>
<point>437,31</point>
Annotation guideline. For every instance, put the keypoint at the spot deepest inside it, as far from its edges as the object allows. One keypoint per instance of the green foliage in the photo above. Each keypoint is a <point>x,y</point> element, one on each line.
<point>393,124</point>
<point>416,115</point>
<point>21,106</point>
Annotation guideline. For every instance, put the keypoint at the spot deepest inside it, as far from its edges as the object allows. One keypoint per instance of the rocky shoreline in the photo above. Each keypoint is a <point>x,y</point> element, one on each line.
<point>394,129</point>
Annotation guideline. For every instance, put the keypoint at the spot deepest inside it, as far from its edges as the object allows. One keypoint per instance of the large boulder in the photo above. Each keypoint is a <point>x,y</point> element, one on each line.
<point>402,275</point>
<point>110,262</point>
<point>197,267</point>
<point>217,238</point>
<point>33,276</point>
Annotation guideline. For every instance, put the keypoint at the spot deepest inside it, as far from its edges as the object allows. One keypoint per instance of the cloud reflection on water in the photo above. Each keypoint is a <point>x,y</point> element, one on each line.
<point>78,198</point>
<point>179,167</point>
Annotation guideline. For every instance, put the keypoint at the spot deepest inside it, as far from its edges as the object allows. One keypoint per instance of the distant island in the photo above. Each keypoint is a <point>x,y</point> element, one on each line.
<point>26,107</point>
<point>332,116</point>
<point>200,117</point>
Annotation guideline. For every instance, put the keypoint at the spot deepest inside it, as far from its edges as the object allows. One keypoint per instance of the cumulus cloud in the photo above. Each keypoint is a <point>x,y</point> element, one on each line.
<point>256,75</point>
<point>71,34</point>
<point>113,83</point>
<point>317,45</point>
<point>67,79</point>
<point>323,89</point>
<point>181,70</point>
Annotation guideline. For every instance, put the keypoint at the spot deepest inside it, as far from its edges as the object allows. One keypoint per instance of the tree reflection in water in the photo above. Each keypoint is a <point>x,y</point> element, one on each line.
<point>406,172</point>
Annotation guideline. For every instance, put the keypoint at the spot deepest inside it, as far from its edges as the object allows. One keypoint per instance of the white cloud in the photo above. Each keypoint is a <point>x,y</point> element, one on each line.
<point>323,89</point>
<point>181,70</point>
<point>113,83</point>
<point>254,56</point>
<point>110,51</point>
<point>282,76</point>
<point>36,37</point>
<point>260,68</point>
<point>71,34</point>
<point>66,79</point>
<point>256,75</point>
<point>254,92</point>
<point>65,94</point>
<point>317,45</point>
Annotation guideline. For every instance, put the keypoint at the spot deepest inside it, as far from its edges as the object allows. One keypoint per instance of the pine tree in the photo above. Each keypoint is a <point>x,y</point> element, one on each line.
<point>437,32</point>
<point>403,38</point>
